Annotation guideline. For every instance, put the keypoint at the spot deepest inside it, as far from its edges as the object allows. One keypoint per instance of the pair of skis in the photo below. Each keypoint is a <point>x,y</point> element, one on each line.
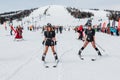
<point>92,59</point>
<point>46,65</point>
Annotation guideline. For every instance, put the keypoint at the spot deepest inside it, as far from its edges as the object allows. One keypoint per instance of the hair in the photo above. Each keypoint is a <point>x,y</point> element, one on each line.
<point>51,28</point>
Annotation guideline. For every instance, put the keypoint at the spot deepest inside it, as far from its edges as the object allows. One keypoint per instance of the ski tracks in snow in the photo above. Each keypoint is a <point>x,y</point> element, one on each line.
<point>34,55</point>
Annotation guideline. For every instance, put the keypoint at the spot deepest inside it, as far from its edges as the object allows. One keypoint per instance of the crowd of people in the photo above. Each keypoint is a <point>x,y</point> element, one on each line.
<point>111,30</point>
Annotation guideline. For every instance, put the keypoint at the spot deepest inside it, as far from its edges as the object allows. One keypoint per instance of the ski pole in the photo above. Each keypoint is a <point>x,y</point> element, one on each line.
<point>55,47</point>
<point>100,47</point>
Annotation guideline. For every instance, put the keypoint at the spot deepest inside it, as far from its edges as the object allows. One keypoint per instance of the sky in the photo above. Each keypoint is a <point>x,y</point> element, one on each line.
<point>12,5</point>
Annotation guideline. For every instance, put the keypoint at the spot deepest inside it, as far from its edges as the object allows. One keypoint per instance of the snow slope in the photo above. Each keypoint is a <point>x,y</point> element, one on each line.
<point>100,14</point>
<point>56,15</point>
<point>22,60</point>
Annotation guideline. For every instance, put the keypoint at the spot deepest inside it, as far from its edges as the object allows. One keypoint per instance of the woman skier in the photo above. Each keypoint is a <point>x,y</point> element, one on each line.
<point>89,37</point>
<point>49,40</point>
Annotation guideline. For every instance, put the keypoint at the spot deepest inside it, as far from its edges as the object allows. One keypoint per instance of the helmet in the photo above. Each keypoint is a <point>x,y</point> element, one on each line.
<point>49,25</point>
<point>89,24</point>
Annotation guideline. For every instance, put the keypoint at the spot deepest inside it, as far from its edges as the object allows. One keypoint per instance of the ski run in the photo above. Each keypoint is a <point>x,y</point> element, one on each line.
<point>21,60</point>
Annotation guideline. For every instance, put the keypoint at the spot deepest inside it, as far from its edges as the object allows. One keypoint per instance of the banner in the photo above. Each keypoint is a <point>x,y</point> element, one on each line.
<point>104,25</point>
<point>119,24</point>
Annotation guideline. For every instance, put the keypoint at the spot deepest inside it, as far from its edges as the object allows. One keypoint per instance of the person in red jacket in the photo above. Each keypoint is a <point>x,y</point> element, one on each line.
<point>12,30</point>
<point>18,33</point>
<point>80,31</point>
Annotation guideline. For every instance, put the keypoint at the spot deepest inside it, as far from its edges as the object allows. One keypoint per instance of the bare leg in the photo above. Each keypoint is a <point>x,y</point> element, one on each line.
<point>45,52</point>
<point>54,53</point>
<point>85,44</point>
<point>94,46</point>
<point>46,49</point>
<point>53,49</point>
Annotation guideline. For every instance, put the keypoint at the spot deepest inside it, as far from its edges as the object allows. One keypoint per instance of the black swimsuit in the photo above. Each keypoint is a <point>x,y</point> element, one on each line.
<point>49,35</point>
<point>90,34</point>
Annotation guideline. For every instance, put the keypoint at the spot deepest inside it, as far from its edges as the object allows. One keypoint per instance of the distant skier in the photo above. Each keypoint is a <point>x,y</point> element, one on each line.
<point>5,25</point>
<point>12,29</point>
<point>90,37</point>
<point>88,21</point>
<point>49,40</point>
<point>18,31</point>
<point>56,29</point>
<point>43,29</point>
<point>80,31</point>
<point>60,29</point>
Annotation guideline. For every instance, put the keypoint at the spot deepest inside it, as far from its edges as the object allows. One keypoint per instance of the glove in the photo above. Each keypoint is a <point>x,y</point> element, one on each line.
<point>55,42</point>
<point>43,42</point>
<point>78,31</point>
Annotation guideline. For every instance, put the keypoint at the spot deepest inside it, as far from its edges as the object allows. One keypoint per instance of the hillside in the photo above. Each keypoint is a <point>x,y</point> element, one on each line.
<point>56,15</point>
<point>18,15</point>
<point>59,15</point>
<point>43,12</point>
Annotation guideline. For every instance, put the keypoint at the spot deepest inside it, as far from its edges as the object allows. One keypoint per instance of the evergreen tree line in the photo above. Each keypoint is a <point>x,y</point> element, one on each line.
<point>9,16</point>
<point>79,14</point>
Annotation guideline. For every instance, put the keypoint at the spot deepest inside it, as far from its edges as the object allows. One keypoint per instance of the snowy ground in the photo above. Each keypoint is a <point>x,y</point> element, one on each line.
<point>21,60</point>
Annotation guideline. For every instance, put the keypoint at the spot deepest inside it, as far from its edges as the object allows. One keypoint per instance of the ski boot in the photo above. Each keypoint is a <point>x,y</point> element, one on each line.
<point>99,54</point>
<point>56,57</point>
<point>79,53</point>
<point>43,58</point>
